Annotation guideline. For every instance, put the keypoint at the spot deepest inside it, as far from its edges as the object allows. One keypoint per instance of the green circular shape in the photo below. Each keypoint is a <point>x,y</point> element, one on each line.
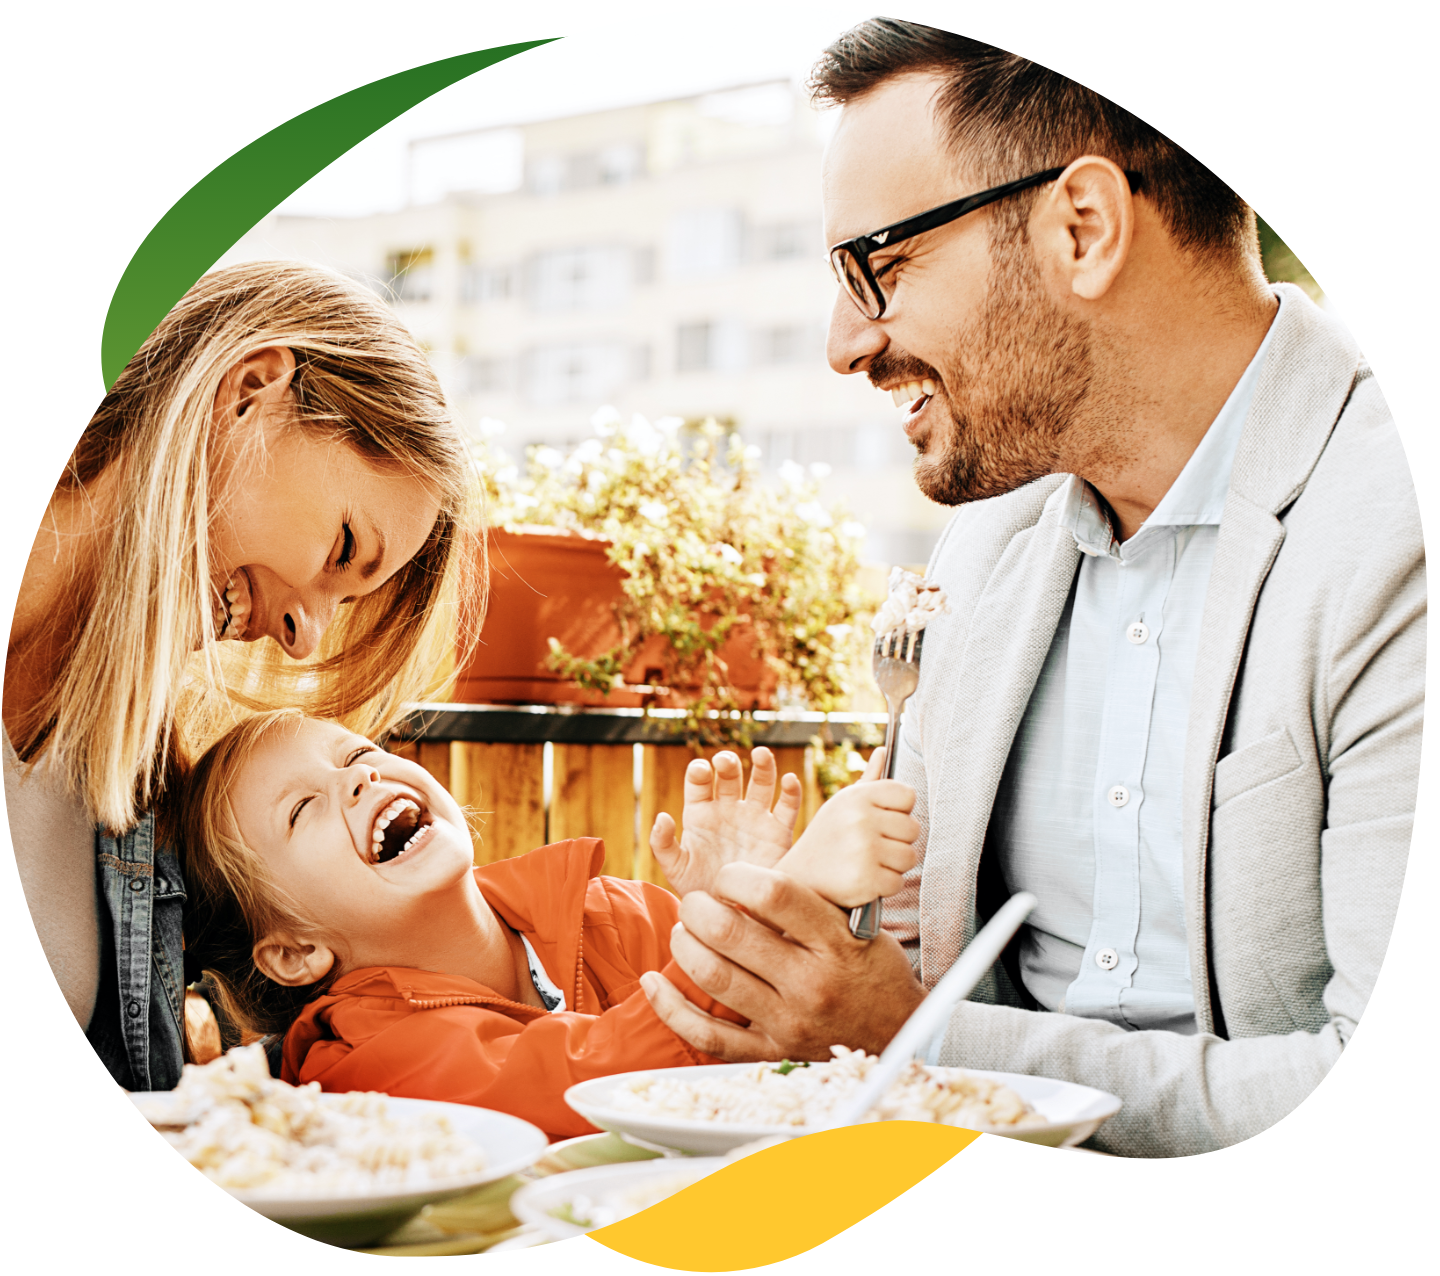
<point>213,214</point>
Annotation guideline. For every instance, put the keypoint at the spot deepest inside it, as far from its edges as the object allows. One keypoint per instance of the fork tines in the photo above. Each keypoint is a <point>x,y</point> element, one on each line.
<point>900,644</point>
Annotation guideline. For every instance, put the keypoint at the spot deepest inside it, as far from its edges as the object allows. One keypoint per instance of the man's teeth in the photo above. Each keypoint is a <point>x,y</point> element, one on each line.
<point>912,390</point>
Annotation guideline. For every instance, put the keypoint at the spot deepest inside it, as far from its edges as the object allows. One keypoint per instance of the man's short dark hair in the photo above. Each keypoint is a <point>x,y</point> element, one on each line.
<point>1007,117</point>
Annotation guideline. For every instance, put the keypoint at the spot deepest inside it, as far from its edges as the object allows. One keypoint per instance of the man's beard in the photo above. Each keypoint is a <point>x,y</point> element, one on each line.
<point>1015,380</point>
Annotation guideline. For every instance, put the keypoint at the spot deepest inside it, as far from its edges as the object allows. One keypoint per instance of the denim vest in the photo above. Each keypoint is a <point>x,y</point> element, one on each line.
<point>136,1028</point>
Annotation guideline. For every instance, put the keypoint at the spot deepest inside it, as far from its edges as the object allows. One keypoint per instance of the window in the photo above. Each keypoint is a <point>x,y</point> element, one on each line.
<point>609,165</point>
<point>794,343</point>
<point>711,345</point>
<point>483,374</point>
<point>411,274</point>
<point>576,372</point>
<point>580,278</point>
<point>486,283</point>
<point>785,242</point>
<point>703,242</point>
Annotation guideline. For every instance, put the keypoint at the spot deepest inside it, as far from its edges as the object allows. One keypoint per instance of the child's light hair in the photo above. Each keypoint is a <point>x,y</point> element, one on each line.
<point>232,900</point>
<point>131,695</point>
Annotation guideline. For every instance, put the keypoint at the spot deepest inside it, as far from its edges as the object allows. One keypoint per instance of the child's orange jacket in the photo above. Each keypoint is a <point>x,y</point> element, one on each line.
<point>423,1035</point>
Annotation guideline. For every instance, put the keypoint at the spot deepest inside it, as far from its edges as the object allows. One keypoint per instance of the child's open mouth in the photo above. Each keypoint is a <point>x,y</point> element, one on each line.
<point>399,828</point>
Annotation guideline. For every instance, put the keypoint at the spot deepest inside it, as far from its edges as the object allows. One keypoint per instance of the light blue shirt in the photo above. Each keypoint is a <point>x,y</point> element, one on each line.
<point>1088,813</point>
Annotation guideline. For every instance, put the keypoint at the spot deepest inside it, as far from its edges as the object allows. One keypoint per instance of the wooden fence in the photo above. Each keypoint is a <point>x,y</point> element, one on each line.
<point>529,775</point>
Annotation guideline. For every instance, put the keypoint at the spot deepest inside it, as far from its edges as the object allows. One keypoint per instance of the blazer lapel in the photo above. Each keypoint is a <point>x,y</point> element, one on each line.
<point>1008,639</point>
<point>1308,375</point>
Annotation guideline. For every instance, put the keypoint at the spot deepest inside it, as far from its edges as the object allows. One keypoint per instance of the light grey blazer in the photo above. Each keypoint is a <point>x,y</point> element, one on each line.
<point>1301,765</point>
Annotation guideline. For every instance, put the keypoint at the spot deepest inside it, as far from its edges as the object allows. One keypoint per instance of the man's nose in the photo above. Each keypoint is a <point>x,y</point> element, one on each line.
<point>853,340</point>
<point>304,623</point>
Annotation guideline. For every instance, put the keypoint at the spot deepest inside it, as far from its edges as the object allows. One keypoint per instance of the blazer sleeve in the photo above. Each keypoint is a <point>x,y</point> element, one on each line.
<point>1190,1094</point>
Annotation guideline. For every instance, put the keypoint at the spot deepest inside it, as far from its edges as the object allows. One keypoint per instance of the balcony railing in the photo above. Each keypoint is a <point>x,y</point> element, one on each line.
<point>531,774</point>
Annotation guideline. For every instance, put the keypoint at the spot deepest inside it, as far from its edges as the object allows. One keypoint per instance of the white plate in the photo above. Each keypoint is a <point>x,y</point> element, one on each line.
<point>606,1185</point>
<point>1072,1113</point>
<point>509,1145</point>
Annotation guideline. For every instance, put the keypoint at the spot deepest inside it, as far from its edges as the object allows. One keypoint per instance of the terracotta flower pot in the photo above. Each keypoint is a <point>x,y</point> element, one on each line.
<point>549,583</point>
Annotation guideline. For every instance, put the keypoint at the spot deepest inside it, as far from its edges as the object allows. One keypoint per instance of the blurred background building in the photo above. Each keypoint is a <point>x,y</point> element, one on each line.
<point>666,259</point>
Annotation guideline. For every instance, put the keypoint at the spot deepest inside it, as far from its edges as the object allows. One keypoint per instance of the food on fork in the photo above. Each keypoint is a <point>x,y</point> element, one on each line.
<point>798,1094</point>
<point>911,603</point>
<point>250,1133</point>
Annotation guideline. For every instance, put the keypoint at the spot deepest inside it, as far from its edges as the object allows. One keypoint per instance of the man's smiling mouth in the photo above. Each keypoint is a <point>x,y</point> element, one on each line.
<point>399,827</point>
<point>913,394</point>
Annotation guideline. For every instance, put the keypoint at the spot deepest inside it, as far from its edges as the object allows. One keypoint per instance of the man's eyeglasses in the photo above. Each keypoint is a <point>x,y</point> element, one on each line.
<point>868,288</point>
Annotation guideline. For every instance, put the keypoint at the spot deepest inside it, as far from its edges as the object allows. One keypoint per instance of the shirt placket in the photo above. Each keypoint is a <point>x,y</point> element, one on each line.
<point>1132,671</point>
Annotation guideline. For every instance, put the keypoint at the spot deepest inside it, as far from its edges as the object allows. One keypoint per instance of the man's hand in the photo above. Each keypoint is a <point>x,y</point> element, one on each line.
<point>719,826</point>
<point>860,844</point>
<point>791,967</point>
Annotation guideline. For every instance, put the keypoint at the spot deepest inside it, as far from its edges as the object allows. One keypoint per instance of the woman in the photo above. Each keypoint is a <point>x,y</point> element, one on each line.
<point>276,462</point>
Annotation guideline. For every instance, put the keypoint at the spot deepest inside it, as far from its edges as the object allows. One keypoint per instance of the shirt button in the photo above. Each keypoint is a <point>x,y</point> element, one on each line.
<point>1107,959</point>
<point>132,1008</point>
<point>1118,797</point>
<point>137,884</point>
<point>1138,632</point>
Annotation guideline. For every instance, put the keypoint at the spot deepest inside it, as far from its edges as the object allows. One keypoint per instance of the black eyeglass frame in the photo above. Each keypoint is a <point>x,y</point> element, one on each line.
<point>862,246</point>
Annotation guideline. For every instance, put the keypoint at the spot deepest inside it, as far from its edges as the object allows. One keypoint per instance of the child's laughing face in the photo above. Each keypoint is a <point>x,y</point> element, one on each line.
<point>354,836</point>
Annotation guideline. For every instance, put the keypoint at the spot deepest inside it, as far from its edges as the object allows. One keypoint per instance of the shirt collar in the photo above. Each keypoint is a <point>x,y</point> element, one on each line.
<point>1197,496</point>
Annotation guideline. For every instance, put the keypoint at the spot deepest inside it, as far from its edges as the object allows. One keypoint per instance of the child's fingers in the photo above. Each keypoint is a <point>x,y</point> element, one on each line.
<point>662,838</point>
<point>889,795</point>
<point>874,768</point>
<point>787,809</point>
<point>699,782</point>
<point>762,777</point>
<point>728,776</point>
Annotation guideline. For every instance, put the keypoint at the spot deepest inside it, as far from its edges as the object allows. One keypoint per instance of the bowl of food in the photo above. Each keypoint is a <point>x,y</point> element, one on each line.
<point>709,1111</point>
<point>342,1168</point>
<point>566,1205</point>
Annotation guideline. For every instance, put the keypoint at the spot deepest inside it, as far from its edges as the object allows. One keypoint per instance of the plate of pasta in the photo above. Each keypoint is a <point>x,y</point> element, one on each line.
<point>343,1168</point>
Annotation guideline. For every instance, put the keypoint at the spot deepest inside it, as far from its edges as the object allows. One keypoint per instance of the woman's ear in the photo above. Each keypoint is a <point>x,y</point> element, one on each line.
<point>261,377</point>
<point>291,961</point>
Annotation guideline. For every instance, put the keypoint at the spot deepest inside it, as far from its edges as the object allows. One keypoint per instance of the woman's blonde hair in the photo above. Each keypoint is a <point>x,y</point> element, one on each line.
<point>232,901</point>
<point>129,676</point>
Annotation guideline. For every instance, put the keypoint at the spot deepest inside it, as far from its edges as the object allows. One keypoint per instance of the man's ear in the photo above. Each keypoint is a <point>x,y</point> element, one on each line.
<point>261,377</point>
<point>291,961</point>
<point>1084,226</point>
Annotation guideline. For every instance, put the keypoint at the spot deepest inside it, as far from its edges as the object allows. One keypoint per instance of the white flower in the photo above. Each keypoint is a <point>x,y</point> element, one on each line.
<point>730,554</point>
<point>524,502</point>
<point>668,425</point>
<point>549,458</point>
<point>489,427</point>
<point>646,438</point>
<point>654,511</point>
<point>605,420</point>
<point>814,513</point>
<point>752,453</point>
<point>507,476</point>
<point>838,631</point>
<point>819,470</point>
<point>854,762</point>
<point>588,452</point>
<point>757,579</point>
<point>853,530</point>
<point>641,549</point>
<point>791,474</point>
<point>596,479</point>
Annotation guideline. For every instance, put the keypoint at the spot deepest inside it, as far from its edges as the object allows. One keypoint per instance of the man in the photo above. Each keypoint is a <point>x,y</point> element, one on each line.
<point>1179,693</point>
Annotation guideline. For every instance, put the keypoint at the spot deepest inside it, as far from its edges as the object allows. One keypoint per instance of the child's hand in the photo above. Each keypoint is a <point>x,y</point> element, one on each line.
<point>719,826</point>
<point>860,843</point>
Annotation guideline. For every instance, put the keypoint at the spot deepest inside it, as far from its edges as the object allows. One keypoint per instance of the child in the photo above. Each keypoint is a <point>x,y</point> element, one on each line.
<point>334,900</point>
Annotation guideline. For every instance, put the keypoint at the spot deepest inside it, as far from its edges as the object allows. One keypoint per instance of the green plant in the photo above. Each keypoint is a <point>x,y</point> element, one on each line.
<point>709,551</point>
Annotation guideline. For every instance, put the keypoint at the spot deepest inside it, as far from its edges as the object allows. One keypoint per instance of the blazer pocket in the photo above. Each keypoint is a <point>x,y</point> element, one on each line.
<point>1269,758</point>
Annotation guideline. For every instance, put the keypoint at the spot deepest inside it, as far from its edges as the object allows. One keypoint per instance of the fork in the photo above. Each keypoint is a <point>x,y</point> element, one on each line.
<point>897,674</point>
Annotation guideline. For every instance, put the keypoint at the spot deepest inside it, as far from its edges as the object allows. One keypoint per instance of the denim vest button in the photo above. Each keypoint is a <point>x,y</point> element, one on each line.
<point>137,883</point>
<point>132,1008</point>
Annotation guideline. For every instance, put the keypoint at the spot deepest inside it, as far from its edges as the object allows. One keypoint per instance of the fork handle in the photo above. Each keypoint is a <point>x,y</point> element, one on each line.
<point>865,920</point>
